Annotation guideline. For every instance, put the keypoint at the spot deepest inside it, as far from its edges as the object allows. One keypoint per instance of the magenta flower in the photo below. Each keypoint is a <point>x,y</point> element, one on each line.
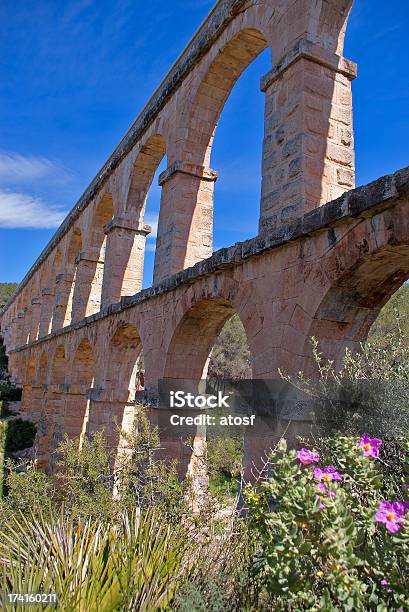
<point>323,493</point>
<point>370,446</point>
<point>306,456</point>
<point>385,583</point>
<point>392,515</point>
<point>327,474</point>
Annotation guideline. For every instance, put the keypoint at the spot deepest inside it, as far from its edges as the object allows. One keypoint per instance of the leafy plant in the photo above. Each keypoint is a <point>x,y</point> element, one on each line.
<point>318,539</point>
<point>20,435</point>
<point>9,392</point>
<point>369,393</point>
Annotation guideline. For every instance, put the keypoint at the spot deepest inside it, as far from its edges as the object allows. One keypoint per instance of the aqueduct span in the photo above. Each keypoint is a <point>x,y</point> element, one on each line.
<point>326,259</point>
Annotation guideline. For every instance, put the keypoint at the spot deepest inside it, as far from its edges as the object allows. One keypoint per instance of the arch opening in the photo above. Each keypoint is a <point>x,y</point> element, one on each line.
<point>352,305</point>
<point>77,406</point>
<point>189,353</point>
<point>68,279</point>
<point>185,233</point>
<point>113,410</point>
<point>124,372</point>
<point>143,203</point>
<point>216,88</point>
<point>90,271</point>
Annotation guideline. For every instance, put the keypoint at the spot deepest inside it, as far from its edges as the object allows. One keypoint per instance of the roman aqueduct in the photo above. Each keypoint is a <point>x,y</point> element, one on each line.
<point>327,256</point>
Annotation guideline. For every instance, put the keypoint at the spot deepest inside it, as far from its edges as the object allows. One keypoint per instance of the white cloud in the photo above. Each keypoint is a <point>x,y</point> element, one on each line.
<point>16,168</point>
<point>19,210</point>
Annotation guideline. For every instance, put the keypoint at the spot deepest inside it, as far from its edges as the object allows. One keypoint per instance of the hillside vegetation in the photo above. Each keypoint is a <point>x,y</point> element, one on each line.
<point>6,290</point>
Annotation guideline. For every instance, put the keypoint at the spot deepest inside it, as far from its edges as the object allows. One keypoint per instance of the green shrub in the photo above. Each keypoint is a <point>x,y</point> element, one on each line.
<point>9,392</point>
<point>3,429</point>
<point>224,458</point>
<point>317,542</point>
<point>369,393</point>
<point>29,491</point>
<point>20,435</point>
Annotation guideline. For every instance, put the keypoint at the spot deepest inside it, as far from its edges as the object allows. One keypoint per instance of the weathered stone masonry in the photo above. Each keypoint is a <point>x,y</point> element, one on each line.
<point>325,261</point>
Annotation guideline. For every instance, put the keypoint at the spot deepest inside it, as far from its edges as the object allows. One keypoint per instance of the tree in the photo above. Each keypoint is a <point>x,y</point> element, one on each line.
<point>393,318</point>
<point>6,291</point>
<point>230,357</point>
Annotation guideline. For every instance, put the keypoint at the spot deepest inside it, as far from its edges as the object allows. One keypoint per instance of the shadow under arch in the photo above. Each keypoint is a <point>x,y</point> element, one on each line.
<point>39,389</point>
<point>112,408</point>
<point>50,425</point>
<point>190,347</point>
<point>89,279</point>
<point>76,411</point>
<point>28,383</point>
<point>351,305</point>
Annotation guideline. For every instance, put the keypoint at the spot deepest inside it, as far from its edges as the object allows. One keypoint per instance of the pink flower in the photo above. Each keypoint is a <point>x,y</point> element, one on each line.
<point>323,493</point>
<point>306,456</point>
<point>385,583</point>
<point>370,446</point>
<point>327,474</point>
<point>392,515</point>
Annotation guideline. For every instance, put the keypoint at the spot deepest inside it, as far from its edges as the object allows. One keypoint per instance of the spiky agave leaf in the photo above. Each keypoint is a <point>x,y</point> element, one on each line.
<point>136,564</point>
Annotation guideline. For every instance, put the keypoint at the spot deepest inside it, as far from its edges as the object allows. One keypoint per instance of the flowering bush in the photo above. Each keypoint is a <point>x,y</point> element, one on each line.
<point>324,535</point>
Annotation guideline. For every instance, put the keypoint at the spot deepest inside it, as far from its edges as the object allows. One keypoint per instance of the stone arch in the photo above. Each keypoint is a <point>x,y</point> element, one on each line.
<point>143,171</point>
<point>90,264</point>
<point>189,349</point>
<point>214,89</point>
<point>82,375</point>
<point>126,241</point>
<point>329,22</point>
<point>69,277</point>
<point>103,215</point>
<point>82,368</point>
<point>125,349</point>
<point>371,263</point>
<point>185,229</point>
<point>49,285</point>
<point>113,405</point>
<point>59,365</point>
<point>39,388</point>
<point>42,374</point>
<point>50,426</point>
<point>29,377</point>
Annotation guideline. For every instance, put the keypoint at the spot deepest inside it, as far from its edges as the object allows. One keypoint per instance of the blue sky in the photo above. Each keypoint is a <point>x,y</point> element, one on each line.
<point>75,74</point>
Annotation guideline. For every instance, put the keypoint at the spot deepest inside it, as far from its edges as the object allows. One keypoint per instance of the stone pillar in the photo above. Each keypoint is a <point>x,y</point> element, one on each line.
<point>185,231</point>
<point>308,151</point>
<point>124,259</point>
<point>46,315</point>
<point>35,319</point>
<point>64,287</point>
<point>50,430</point>
<point>38,397</point>
<point>21,328</point>
<point>14,343</point>
<point>88,284</point>
<point>76,412</point>
<point>27,324</point>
